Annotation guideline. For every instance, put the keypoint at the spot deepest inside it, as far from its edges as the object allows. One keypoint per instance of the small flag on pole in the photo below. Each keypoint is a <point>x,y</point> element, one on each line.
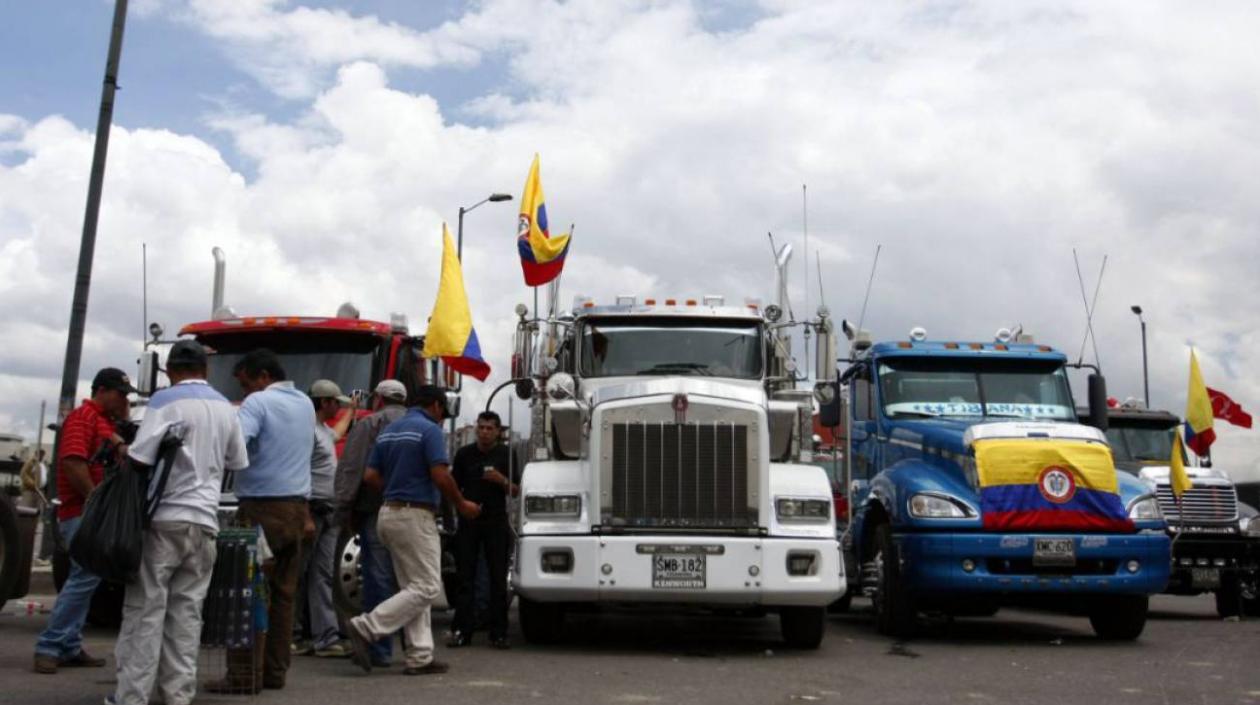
<point>451,335</point>
<point>1199,433</point>
<point>542,256</point>
<point>1177,476</point>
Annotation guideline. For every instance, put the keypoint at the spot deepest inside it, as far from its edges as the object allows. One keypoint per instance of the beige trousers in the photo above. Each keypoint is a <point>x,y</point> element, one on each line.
<point>161,627</point>
<point>410,535</point>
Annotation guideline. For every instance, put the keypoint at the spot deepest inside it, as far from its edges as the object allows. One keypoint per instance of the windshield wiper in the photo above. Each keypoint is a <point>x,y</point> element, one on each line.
<point>666,368</point>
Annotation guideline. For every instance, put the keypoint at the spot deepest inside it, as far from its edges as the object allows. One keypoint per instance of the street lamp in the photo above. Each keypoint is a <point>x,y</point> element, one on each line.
<point>1146,383</point>
<point>459,238</point>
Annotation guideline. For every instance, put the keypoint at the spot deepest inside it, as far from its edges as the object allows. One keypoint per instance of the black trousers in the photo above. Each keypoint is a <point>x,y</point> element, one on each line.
<point>493,536</point>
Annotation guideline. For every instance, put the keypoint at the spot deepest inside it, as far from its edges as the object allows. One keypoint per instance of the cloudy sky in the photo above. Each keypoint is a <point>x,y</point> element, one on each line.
<point>321,144</point>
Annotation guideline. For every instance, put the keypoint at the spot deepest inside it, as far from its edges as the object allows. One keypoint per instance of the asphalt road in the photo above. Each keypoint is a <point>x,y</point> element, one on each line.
<point>1186,655</point>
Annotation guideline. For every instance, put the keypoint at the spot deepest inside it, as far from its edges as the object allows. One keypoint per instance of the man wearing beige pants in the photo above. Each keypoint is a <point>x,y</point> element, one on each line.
<point>409,461</point>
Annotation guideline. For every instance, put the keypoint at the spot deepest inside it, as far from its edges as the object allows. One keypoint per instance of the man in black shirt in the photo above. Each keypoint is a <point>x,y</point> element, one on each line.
<point>481,471</point>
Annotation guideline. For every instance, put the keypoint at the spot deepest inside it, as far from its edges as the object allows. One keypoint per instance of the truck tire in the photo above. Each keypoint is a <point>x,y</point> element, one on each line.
<point>895,613</point>
<point>802,627</point>
<point>347,586</point>
<point>842,605</point>
<point>1228,598</point>
<point>541,622</point>
<point>10,550</point>
<point>1119,617</point>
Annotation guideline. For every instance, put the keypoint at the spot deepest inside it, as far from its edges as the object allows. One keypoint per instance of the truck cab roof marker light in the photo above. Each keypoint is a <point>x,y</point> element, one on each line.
<point>975,346</point>
<point>625,300</point>
<point>951,346</point>
<point>904,345</point>
<point>649,302</point>
<point>1000,346</point>
<point>691,302</point>
<point>671,302</point>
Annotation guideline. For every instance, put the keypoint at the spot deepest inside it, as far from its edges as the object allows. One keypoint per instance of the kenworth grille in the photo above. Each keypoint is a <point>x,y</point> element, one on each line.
<point>687,476</point>
<point>1214,504</point>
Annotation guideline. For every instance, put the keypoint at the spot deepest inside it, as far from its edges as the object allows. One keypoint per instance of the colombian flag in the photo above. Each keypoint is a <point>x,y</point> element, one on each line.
<point>1177,477</point>
<point>1048,485</point>
<point>1199,433</point>
<point>451,335</point>
<point>542,256</point>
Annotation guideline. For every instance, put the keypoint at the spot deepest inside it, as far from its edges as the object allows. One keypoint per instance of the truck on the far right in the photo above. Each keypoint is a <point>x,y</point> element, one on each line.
<point>1215,538</point>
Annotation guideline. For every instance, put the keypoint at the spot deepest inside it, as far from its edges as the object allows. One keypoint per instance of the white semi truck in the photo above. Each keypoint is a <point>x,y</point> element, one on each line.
<point>668,465</point>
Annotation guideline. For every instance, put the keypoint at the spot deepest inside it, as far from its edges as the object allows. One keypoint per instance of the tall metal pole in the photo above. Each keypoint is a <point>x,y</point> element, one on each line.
<point>87,246</point>
<point>459,233</point>
<point>1146,382</point>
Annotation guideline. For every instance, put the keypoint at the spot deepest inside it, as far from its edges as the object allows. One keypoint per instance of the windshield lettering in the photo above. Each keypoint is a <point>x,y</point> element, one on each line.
<point>926,388</point>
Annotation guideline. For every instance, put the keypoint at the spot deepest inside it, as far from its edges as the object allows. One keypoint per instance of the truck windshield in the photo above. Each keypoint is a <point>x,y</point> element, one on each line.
<point>348,360</point>
<point>944,386</point>
<point>1142,444</point>
<point>665,346</point>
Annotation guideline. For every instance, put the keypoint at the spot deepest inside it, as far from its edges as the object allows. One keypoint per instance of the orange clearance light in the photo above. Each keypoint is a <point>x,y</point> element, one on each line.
<point>671,302</point>
<point>951,346</point>
<point>1000,346</point>
<point>294,321</point>
<point>270,320</point>
<point>691,302</point>
<point>1044,348</point>
<point>588,304</point>
<point>650,302</point>
<point>247,321</point>
<point>903,344</point>
<point>365,324</point>
<point>975,346</point>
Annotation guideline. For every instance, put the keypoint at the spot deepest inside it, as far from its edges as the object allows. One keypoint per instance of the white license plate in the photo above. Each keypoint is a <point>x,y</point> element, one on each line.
<point>1054,552</point>
<point>675,571</point>
<point>1205,577</point>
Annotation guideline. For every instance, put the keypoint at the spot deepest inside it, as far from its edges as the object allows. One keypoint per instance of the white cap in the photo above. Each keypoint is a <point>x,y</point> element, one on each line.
<point>392,389</point>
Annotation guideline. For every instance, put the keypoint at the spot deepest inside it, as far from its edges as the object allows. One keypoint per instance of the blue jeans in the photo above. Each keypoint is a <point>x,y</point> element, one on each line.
<point>63,637</point>
<point>379,583</point>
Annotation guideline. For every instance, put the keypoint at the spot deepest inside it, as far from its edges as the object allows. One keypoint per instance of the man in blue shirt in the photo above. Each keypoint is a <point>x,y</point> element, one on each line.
<point>277,422</point>
<point>410,463</point>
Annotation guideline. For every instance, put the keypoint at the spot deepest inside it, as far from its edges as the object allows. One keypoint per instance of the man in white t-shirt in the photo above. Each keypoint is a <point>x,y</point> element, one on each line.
<point>162,609</point>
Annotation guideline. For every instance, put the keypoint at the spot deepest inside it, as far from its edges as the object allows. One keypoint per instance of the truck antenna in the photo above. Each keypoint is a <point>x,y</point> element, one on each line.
<point>1090,308</point>
<point>144,294</point>
<point>805,266</point>
<point>822,299</point>
<point>869,282</point>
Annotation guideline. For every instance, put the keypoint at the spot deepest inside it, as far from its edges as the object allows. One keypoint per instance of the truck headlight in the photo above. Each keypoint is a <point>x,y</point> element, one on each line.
<point>1250,527</point>
<point>801,509</point>
<point>936,506</point>
<point>553,505</point>
<point>1145,509</point>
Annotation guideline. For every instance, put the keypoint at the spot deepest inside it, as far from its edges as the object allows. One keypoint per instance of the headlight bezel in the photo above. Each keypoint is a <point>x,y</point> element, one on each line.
<point>938,505</point>
<point>804,510</point>
<point>1249,527</point>
<point>553,505</point>
<point>1140,509</point>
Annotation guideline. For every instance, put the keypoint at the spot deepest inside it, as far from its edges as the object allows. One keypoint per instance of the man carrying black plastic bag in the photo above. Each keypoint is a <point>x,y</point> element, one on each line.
<point>162,609</point>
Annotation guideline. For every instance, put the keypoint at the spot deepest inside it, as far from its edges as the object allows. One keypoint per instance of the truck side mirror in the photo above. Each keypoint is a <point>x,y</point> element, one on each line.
<point>452,405</point>
<point>522,352</point>
<point>1098,402</point>
<point>830,411</point>
<point>146,381</point>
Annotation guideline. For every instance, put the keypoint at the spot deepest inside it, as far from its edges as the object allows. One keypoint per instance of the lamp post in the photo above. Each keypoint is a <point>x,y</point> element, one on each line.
<point>1146,383</point>
<point>459,237</point>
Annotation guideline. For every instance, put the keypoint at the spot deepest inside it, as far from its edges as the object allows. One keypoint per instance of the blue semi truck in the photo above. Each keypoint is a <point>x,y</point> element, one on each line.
<point>974,486</point>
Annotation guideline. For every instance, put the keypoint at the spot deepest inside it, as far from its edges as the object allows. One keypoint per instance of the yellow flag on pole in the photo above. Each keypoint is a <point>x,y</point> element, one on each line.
<point>1177,476</point>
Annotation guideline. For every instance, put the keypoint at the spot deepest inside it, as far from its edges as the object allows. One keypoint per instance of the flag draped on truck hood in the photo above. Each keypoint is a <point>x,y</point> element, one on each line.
<point>1048,485</point>
<point>451,335</point>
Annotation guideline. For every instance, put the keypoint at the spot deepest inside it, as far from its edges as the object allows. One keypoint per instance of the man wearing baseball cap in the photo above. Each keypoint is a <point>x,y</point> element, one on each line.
<point>80,468</point>
<point>322,622</point>
<point>358,505</point>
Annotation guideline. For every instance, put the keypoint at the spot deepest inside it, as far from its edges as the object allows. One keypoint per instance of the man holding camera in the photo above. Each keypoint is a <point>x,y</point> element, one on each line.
<point>87,435</point>
<point>410,463</point>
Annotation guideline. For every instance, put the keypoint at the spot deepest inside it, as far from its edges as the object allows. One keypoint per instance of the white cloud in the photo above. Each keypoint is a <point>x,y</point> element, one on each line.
<point>979,143</point>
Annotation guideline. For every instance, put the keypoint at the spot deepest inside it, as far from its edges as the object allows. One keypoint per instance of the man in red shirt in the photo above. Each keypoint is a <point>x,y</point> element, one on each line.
<point>80,467</point>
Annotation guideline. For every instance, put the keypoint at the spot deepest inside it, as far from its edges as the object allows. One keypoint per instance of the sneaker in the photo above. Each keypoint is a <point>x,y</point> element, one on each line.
<point>430,668</point>
<point>337,649</point>
<point>81,660</point>
<point>458,639</point>
<point>46,664</point>
<point>360,645</point>
<point>303,647</point>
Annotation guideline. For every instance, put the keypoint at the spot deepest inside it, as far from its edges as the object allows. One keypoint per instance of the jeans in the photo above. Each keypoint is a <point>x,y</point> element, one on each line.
<point>161,627</point>
<point>378,579</point>
<point>410,535</point>
<point>319,577</point>
<point>63,637</point>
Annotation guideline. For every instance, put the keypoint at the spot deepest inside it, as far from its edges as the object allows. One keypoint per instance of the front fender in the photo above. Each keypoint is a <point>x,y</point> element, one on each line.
<point>801,482</point>
<point>557,477</point>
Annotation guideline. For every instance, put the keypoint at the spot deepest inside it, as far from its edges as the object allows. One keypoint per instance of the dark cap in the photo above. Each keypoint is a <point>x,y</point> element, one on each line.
<point>428,394</point>
<point>112,378</point>
<point>186,353</point>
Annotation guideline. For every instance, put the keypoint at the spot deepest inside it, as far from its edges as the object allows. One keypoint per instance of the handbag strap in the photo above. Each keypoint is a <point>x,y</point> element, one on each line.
<point>167,448</point>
